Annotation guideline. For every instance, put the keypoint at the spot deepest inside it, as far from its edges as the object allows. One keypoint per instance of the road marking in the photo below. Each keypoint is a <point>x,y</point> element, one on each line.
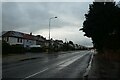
<point>69,61</point>
<point>35,74</point>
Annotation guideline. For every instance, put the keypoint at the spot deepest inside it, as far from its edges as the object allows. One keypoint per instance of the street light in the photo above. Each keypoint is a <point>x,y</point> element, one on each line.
<point>49,31</point>
<point>49,24</point>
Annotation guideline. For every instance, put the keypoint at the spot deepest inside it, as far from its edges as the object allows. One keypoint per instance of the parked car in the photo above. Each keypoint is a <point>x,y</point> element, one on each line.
<point>36,48</point>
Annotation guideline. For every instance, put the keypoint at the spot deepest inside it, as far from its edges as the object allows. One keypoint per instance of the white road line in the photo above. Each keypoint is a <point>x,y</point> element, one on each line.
<point>69,61</point>
<point>35,74</point>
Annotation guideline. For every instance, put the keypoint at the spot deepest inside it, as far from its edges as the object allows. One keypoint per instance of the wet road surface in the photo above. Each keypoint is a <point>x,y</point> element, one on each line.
<point>69,65</point>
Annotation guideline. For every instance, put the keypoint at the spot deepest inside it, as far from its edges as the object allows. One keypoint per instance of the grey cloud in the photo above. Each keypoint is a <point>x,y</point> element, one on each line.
<point>35,15</point>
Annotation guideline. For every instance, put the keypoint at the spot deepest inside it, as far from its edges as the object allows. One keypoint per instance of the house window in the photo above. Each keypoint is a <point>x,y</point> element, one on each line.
<point>19,40</point>
<point>30,41</point>
<point>7,39</point>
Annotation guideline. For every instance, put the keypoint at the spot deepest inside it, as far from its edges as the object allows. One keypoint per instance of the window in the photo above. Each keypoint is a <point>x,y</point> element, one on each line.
<point>19,40</point>
<point>4,38</point>
<point>7,39</point>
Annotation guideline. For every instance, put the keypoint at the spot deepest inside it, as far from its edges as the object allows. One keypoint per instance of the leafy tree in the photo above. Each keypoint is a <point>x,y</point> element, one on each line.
<point>70,42</point>
<point>102,25</point>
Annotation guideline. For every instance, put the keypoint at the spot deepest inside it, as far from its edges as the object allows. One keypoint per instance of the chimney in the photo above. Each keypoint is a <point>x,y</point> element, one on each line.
<point>31,33</point>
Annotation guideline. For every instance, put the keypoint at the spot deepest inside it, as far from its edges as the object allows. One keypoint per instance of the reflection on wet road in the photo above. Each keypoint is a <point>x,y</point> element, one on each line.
<point>68,65</point>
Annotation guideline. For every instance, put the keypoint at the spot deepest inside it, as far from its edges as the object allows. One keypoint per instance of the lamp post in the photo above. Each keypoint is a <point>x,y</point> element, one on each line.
<point>50,25</point>
<point>49,30</point>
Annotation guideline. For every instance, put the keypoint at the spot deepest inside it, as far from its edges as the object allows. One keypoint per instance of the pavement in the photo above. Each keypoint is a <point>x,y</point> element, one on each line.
<point>102,68</point>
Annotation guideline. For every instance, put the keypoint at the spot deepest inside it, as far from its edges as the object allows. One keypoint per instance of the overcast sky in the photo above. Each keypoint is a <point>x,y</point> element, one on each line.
<point>34,17</point>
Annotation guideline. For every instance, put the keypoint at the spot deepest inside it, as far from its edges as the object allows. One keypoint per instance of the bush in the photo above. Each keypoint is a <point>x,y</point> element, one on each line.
<point>17,49</point>
<point>6,48</point>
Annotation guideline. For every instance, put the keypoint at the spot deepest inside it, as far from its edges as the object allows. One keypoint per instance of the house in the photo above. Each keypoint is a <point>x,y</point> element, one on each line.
<point>14,38</point>
<point>59,43</point>
<point>53,44</point>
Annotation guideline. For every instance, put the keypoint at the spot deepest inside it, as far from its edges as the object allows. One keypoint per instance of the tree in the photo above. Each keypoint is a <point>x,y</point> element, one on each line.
<point>102,25</point>
<point>70,42</point>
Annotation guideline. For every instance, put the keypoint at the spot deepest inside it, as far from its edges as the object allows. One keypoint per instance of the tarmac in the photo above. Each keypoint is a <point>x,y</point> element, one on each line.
<point>12,58</point>
<point>9,59</point>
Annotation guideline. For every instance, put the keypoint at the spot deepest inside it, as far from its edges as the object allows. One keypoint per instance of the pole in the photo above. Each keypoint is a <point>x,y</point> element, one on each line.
<point>49,27</point>
<point>49,32</point>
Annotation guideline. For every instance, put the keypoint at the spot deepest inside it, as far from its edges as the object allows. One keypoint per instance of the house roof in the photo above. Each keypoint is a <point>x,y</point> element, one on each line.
<point>22,35</point>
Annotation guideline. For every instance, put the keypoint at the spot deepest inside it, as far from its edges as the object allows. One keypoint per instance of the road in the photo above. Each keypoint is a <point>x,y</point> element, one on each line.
<point>68,65</point>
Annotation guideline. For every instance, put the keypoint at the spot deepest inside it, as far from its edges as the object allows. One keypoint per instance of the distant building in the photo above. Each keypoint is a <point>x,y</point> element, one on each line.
<point>76,46</point>
<point>14,38</point>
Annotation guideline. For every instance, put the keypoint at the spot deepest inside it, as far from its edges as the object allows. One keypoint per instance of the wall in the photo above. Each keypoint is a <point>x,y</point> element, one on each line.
<point>27,43</point>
